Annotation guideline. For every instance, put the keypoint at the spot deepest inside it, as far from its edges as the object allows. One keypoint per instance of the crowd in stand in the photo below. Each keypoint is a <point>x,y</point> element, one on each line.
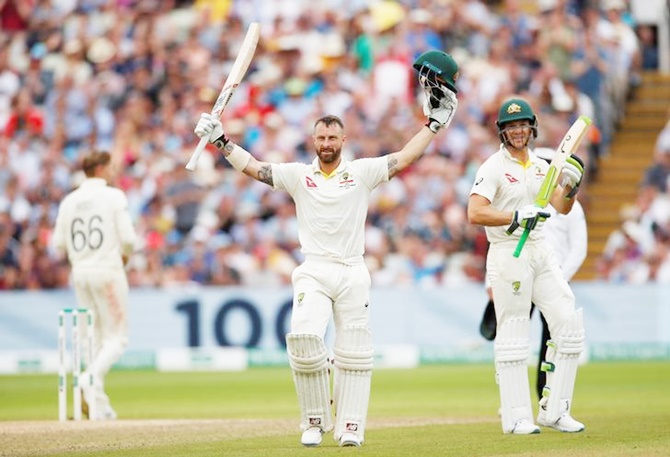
<point>132,76</point>
<point>639,251</point>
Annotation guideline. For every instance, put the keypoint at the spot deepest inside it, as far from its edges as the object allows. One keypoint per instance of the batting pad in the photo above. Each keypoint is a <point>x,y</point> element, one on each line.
<point>569,346</point>
<point>308,358</point>
<point>354,358</point>
<point>512,348</point>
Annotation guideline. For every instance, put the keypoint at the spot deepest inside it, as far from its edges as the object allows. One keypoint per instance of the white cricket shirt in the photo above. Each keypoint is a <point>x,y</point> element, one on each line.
<point>567,234</point>
<point>509,185</point>
<point>331,210</point>
<point>94,226</point>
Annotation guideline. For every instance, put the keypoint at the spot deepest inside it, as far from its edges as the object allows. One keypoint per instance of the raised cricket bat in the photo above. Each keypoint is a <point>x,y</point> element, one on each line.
<point>569,145</point>
<point>240,66</point>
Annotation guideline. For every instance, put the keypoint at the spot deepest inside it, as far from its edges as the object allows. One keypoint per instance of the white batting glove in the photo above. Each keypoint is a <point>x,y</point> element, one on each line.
<point>529,217</point>
<point>442,115</point>
<point>573,172</point>
<point>209,127</point>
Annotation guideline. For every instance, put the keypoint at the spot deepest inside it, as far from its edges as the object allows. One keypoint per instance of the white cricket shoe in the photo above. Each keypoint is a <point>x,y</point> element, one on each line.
<point>312,437</point>
<point>350,439</point>
<point>525,427</point>
<point>566,423</point>
<point>108,414</point>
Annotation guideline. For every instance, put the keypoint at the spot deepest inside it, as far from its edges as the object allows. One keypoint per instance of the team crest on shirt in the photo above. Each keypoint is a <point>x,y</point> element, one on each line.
<point>346,181</point>
<point>300,297</point>
<point>516,286</point>
<point>539,174</point>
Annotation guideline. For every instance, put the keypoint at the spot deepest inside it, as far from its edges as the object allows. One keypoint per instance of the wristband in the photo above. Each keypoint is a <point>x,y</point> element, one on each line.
<point>238,157</point>
<point>221,142</point>
<point>572,193</point>
<point>433,125</point>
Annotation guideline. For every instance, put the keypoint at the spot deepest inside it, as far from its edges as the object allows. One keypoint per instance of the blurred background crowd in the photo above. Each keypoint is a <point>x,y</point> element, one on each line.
<point>132,76</point>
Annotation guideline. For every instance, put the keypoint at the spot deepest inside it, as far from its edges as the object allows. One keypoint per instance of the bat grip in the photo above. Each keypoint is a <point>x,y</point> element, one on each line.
<point>190,166</point>
<point>522,241</point>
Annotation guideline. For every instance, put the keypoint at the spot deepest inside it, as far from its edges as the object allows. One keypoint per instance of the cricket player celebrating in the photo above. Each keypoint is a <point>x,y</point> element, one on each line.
<point>331,196</point>
<point>95,230</point>
<point>501,199</point>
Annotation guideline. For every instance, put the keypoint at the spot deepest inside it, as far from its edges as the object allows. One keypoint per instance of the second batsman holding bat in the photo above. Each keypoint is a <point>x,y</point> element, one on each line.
<point>331,195</point>
<point>502,199</point>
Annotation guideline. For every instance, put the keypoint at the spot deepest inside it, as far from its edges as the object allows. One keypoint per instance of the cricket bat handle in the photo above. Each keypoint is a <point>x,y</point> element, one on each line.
<point>190,166</point>
<point>522,241</point>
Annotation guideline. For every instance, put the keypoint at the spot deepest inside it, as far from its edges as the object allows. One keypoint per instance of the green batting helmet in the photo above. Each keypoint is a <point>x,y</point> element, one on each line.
<point>439,64</point>
<point>516,109</point>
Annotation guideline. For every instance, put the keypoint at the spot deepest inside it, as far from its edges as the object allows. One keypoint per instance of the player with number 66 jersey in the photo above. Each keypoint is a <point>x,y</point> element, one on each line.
<point>95,230</point>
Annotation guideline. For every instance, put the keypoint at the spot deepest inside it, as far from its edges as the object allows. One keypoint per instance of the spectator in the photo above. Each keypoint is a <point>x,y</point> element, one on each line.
<point>118,76</point>
<point>658,174</point>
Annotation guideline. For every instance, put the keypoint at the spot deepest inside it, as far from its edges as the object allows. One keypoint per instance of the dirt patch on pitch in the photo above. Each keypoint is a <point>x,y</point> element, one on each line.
<point>43,438</point>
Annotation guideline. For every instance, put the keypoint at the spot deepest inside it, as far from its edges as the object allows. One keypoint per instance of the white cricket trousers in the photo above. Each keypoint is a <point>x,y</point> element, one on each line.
<point>324,288</point>
<point>534,276</point>
<point>105,291</point>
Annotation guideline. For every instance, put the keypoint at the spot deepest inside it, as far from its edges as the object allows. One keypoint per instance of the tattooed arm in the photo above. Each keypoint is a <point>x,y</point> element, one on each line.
<point>260,171</point>
<point>398,161</point>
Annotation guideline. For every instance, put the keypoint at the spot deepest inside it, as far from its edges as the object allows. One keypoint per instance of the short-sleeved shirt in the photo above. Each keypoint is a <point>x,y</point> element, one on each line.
<point>94,226</point>
<point>331,210</point>
<point>509,185</point>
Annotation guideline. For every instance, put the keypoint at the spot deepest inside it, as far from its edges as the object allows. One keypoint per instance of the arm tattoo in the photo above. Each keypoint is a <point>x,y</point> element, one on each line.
<point>392,162</point>
<point>265,175</point>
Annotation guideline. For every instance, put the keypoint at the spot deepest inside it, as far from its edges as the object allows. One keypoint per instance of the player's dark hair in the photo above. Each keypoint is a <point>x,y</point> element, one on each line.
<point>329,120</point>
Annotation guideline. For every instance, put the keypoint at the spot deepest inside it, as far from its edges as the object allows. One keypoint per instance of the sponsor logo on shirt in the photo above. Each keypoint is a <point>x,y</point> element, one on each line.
<point>511,178</point>
<point>351,427</point>
<point>310,183</point>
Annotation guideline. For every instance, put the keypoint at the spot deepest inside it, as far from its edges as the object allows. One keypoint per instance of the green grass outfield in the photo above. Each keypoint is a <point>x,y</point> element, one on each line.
<point>446,410</point>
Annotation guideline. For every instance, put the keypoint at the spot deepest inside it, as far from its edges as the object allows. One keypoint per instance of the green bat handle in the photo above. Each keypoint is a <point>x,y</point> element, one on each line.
<point>522,241</point>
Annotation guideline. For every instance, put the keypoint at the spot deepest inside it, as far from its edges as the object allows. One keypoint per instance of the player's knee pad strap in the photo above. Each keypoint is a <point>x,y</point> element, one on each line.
<point>571,335</point>
<point>306,353</point>
<point>354,356</point>
<point>353,348</point>
<point>512,344</point>
<point>557,396</point>
<point>308,357</point>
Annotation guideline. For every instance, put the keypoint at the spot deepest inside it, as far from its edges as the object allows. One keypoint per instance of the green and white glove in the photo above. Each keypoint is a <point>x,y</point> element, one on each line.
<point>441,115</point>
<point>573,172</point>
<point>529,217</point>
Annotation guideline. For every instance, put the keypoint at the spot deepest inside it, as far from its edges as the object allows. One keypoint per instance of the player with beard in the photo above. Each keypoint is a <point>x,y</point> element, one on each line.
<point>331,195</point>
